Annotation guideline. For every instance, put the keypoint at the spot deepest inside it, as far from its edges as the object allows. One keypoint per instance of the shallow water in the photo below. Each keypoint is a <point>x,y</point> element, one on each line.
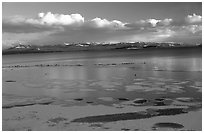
<point>118,70</point>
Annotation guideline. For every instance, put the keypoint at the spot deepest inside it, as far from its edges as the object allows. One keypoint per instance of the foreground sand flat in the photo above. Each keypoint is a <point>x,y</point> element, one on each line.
<point>54,117</point>
<point>53,114</point>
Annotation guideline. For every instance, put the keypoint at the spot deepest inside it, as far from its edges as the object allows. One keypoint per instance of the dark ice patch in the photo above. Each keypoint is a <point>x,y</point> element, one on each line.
<point>140,101</point>
<point>159,104</point>
<point>168,125</point>
<point>123,99</point>
<point>10,81</point>
<point>78,99</point>
<point>160,99</point>
<point>130,116</point>
<point>125,129</point>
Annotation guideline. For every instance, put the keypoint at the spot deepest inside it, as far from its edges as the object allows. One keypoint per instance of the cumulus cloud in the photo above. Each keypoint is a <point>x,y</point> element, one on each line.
<point>194,18</point>
<point>149,23</point>
<point>165,22</point>
<point>20,24</point>
<point>58,28</point>
<point>60,19</point>
<point>153,22</point>
<point>49,21</point>
<point>193,28</point>
<point>98,22</point>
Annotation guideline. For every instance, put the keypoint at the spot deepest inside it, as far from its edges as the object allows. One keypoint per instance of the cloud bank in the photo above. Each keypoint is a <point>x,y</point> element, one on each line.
<point>49,28</point>
<point>194,18</point>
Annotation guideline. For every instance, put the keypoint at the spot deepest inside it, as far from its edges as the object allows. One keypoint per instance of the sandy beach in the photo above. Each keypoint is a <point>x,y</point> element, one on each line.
<point>49,114</point>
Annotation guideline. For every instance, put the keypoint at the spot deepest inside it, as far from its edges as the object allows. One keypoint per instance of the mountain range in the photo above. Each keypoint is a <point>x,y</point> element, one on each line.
<point>88,46</point>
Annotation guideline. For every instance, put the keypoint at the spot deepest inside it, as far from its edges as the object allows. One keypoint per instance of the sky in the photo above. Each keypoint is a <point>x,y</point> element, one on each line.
<point>48,23</point>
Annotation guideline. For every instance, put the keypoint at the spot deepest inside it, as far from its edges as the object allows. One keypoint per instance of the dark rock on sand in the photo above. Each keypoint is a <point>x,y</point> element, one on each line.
<point>168,125</point>
<point>171,111</point>
<point>123,99</point>
<point>89,102</point>
<point>10,81</point>
<point>13,105</point>
<point>130,116</point>
<point>140,101</point>
<point>27,103</point>
<point>159,104</point>
<point>125,129</point>
<point>78,99</point>
<point>160,99</point>
<point>45,102</point>
<point>106,128</point>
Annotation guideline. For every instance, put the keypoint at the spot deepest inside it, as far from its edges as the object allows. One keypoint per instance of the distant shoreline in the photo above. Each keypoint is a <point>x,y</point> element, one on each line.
<point>31,51</point>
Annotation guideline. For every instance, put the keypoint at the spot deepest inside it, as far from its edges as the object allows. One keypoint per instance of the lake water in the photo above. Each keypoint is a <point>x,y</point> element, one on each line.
<point>91,75</point>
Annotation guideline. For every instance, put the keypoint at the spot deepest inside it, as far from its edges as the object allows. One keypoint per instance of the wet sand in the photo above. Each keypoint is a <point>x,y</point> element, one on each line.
<point>55,116</point>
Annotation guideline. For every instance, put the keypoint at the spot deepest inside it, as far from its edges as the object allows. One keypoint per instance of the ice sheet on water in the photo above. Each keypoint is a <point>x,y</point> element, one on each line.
<point>181,83</point>
<point>199,88</point>
<point>34,84</point>
<point>173,88</point>
<point>197,83</point>
<point>160,79</point>
<point>106,98</point>
<point>143,88</point>
<point>185,101</point>
<point>147,86</point>
<point>105,84</point>
<point>86,90</point>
